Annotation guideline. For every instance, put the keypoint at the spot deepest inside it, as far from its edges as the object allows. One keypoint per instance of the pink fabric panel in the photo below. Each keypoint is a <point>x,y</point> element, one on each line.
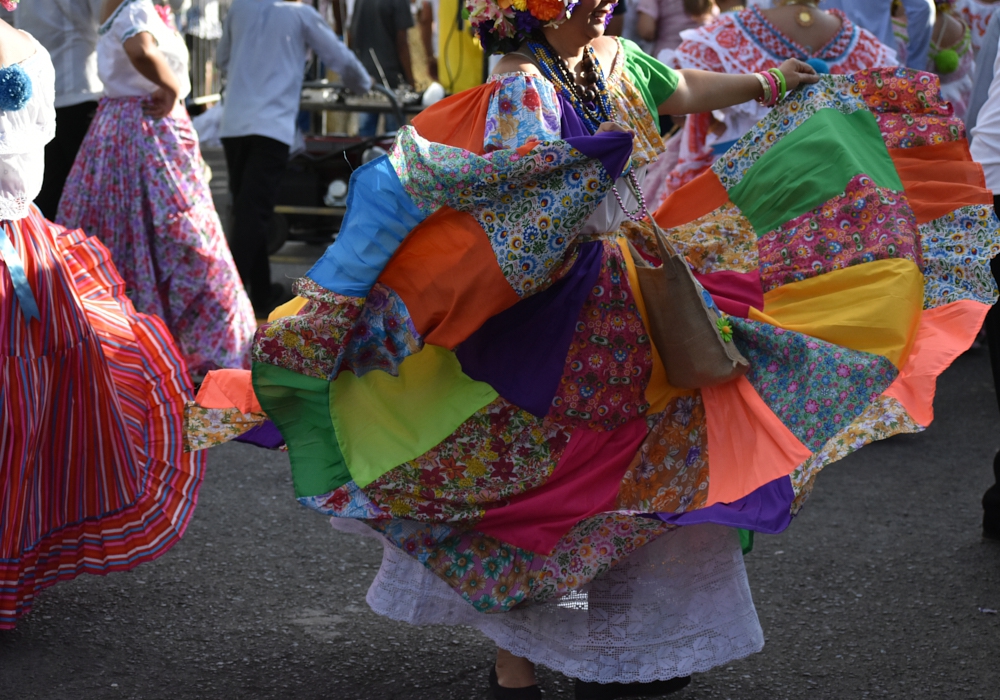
<point>944,334</point>
<point>585,482</point>
<point>734,292</point>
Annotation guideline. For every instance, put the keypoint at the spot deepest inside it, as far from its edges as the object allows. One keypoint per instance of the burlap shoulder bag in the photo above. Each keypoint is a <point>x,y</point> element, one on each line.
<point>684,323</point>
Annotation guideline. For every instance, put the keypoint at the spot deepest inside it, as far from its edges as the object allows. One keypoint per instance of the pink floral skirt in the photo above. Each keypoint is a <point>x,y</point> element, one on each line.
<point>139,185</point>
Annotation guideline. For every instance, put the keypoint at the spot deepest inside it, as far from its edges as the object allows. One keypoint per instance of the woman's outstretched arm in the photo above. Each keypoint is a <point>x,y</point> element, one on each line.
<point>703,91</point>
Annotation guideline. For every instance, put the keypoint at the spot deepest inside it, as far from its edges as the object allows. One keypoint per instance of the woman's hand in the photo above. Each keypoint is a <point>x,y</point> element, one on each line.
<point>613,126</point>
<point>797,73</point>
<point>161,103</point>
<point>146,57</point>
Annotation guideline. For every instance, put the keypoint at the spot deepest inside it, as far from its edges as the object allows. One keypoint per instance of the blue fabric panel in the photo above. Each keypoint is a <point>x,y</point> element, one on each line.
<point>379,215</point>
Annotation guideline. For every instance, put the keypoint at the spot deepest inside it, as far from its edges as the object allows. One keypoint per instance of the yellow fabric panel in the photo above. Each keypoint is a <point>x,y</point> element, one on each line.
<point>659,391</point>
<point>289,308</point>
<point>874,307</point>
<point>382,421</point>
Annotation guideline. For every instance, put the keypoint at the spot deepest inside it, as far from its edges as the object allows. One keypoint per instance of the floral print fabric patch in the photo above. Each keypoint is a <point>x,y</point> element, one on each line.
<point>865,223</point>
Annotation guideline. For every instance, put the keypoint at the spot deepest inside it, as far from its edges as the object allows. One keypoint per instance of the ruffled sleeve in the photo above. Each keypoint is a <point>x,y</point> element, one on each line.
<point>134,18</point>
<point>522,108</point>
<point>654,80</point>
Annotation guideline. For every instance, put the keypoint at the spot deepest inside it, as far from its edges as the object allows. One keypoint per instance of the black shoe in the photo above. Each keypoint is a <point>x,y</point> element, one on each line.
<point>586,690</point>
<point>532,692</point>
<point>279,294</point>
<point>991,505</point>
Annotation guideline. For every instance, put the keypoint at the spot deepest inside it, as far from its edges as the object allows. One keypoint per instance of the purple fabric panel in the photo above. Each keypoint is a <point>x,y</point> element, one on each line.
<point>263,435</point>
<point>767,510</point>
<point>521,352</point>
<point>613,149</point>
<point>570,121</point>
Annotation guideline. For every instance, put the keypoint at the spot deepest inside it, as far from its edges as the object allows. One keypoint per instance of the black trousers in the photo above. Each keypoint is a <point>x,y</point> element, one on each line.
<point>256,165</point>
<point>991,499</point>
<point>71,126</point>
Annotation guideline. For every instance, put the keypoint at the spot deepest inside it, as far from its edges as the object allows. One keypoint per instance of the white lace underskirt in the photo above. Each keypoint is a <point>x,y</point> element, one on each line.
<point>677,606</point>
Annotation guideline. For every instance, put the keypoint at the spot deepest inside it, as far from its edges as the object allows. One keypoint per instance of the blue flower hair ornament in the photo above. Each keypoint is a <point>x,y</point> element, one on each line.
<point>15,88</point>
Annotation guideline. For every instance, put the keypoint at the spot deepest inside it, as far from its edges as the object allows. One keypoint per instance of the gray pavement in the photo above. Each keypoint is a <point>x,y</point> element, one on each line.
<point>882,588</point>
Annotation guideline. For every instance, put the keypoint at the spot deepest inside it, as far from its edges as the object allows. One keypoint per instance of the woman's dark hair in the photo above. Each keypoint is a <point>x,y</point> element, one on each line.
<point>697,8</point>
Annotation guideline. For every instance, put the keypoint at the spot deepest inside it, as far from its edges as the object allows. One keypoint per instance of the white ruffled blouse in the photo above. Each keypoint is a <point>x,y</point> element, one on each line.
<point>23,135</point>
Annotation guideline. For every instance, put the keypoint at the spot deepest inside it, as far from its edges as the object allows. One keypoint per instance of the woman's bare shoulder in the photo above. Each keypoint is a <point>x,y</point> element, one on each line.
<point>516,63</point>
<point>15,46</point>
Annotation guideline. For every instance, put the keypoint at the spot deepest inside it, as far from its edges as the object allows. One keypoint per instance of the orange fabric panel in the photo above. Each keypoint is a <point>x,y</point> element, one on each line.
<point>944,334</point>
<point>699,197</point>
<point>228,388</point>
<point>748,446</point>
<point>459,120</point>
<point>941,178</point>
<point>448,277</point>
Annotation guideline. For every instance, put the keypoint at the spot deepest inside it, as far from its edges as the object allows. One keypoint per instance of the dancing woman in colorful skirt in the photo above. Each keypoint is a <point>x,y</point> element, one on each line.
<point>93,474</point>
<point>472,373</point>
<point>139,185</point>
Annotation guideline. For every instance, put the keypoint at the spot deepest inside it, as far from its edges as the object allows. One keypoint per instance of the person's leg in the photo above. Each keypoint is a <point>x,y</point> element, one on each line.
<point>71,127</point>
<point>255,193</point>
<point>236,150</point>
<point>991,499</point>
<point>367,124</point>
<point>514,671</point>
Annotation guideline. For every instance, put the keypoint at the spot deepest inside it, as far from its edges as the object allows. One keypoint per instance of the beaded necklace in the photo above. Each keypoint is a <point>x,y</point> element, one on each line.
<point>591,103</point>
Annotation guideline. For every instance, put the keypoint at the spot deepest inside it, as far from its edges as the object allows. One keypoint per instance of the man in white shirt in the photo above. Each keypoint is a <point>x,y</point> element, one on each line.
<point>876,17</point>
<point>983,123</point>
<point>68,31</point>
<point>263,54</point>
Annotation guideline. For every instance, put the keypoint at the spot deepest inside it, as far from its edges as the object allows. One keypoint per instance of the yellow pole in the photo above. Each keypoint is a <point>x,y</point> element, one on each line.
<point>460,58</point>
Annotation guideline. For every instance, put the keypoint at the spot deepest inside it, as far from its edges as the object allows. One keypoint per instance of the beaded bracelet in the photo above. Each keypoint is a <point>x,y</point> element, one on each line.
<point>776,72</point>
<point>766,86</point>
<point>772,98</point>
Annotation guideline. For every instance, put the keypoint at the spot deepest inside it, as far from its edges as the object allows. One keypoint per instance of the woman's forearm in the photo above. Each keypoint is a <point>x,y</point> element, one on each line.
<point>701,91</point>
<point>149,61</point>
<point>704,91</point>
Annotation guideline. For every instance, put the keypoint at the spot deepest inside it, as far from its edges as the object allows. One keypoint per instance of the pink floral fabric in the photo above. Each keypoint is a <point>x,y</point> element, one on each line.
<point>311,342</point>
<point>610,357</point>
<point>139,185</point>
<point>499,452</point>
<point>864,224</point>
<point>495,577</point>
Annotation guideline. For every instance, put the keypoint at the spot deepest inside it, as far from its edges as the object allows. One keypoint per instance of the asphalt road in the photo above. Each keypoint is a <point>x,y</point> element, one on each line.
<point>882,588</point>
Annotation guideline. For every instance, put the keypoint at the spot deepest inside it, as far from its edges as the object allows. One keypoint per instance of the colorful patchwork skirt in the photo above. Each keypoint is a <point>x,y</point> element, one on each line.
<point>139,185</point>
<point>93,475</point>
<point>470,374</point>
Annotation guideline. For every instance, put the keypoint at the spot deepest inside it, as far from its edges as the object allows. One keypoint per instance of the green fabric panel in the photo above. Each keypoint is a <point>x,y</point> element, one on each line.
<point>812,164</point>
<point>383,421</point>
<point>300,408</point>
<point>655,81</point>
<point>746,540</point>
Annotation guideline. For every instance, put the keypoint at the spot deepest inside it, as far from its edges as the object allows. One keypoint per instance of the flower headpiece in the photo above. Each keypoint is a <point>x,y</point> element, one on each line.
<point>8,5</point>
<point>503,25</point>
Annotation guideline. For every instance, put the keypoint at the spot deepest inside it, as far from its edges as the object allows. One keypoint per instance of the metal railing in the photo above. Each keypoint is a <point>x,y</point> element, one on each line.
<point>201,23</point>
